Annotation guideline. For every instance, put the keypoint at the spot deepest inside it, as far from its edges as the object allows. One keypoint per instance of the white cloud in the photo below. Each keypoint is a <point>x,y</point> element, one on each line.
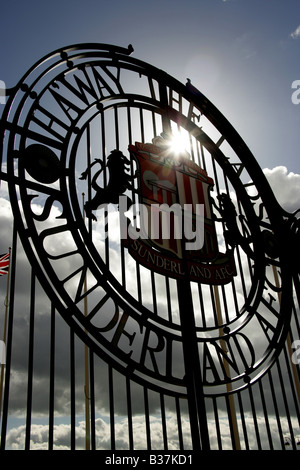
<point>295,34</point>
<point>40,433</point>
<point>62,434</point>
<point>286,187</point>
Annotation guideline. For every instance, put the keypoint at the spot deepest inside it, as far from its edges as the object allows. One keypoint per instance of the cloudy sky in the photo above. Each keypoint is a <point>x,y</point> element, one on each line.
<point>243,55</point>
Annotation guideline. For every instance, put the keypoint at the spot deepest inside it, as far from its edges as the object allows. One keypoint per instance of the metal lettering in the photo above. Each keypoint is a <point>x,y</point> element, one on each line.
<point>65,104</point>
<point>215,356</point>
<point>151,350</point>
<point>238,168</point>
<point>50,232</point>
<point>78,92</point>
<point>49,204</point>
<point>99,78</point>
<point>120,331</point>
<point>50,120</point>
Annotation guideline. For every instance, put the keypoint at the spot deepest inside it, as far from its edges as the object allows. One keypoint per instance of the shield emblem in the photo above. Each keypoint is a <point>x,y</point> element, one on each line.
<point>171,190</point>
<point>176,224</point>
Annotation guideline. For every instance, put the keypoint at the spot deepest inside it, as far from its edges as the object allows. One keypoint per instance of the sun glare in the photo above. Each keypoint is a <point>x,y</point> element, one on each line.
<point>178,143</point>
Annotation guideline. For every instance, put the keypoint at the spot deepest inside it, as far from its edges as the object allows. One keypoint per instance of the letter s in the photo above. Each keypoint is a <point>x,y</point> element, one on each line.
<point>296,94</point>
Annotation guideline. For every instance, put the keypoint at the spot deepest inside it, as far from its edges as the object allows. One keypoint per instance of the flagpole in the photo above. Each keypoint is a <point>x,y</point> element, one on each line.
<point>226,367</point>
<point>4,331</point>
<point>86,365</point>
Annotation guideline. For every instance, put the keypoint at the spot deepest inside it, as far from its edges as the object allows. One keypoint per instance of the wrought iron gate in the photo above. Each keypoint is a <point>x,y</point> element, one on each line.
<point>122,342</point>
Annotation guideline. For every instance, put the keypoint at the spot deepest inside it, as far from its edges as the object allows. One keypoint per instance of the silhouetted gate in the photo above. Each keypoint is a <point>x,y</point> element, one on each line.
<point>118,337</point>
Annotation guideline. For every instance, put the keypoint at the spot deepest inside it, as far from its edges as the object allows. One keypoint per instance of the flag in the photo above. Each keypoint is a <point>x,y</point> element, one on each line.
<point>4,264</point>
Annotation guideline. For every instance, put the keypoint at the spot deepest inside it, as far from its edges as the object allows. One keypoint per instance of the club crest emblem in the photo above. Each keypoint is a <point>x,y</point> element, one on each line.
<point>176,234</point>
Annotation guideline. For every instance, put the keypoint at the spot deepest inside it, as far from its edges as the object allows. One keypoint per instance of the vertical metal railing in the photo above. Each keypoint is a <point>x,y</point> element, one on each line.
<point>267,413</point>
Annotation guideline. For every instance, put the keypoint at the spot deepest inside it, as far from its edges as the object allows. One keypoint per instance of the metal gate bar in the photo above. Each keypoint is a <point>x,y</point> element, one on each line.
<point>284,397</point>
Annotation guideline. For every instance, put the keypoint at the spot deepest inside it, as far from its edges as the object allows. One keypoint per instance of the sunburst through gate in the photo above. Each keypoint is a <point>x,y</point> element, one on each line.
<point>171,267</point>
